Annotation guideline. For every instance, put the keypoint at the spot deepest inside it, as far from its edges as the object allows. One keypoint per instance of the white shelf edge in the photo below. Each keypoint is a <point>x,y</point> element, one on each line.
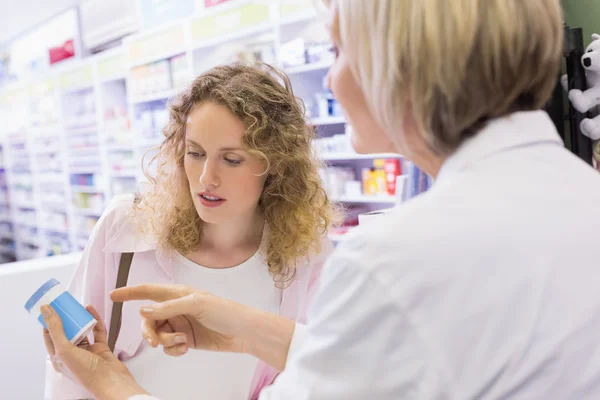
<point>76,131</point>
<point>336,238</point>
<point>353,156</point>
<point>114,78</point>
<point>299,18</point>
<point>165,95</point>
<point>56,230</point>
<point>43,152</point>
<point>84,170</point>
<point>366,199</point>
<point>328,121</point>
<point>308,67</point>
<point>30,206</point>
<point>160,57</point>
<point>86,189</point>
<point>233,36</point>
<point>123,174</point>
<point>79,88</point>
<point>87,212</point>
<point>119,148</point>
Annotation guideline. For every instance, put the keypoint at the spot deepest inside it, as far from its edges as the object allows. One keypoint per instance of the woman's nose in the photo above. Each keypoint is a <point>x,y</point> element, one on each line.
<point>210,176</point>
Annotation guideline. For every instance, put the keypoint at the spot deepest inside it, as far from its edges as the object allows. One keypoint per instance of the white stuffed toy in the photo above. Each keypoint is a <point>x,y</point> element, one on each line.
<point>589,99</point>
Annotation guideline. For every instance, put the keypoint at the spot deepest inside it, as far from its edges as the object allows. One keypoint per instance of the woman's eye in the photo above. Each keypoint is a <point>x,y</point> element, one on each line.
<point>194,154</point>
<point>232,161</point>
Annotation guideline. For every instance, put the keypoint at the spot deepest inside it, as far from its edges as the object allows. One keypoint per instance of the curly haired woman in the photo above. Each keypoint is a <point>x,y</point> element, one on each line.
<point>235,207</point>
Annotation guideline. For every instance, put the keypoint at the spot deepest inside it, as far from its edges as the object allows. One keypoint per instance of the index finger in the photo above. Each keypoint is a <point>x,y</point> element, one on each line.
<point>158,293</point>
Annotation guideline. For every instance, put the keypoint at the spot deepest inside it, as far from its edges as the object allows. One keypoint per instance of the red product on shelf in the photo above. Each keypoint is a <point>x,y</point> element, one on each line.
<point>392,169</point>
<point>62,52</point>
<point>210,3</point>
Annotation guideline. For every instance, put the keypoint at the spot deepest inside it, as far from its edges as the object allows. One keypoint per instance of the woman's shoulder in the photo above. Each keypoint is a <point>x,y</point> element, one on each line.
<point>317,255</point>
<point>118,211</point>
<point>121,230</point>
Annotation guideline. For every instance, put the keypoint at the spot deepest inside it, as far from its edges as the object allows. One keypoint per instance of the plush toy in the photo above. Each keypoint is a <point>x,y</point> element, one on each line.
<point>589,99</point>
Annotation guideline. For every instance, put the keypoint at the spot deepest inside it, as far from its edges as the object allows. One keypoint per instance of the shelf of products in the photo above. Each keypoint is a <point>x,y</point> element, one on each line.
<point>77,134</point>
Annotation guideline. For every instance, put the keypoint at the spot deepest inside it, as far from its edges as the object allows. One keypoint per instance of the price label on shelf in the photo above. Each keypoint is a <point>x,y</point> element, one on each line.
<point>290,8</point>
<point>157,45</point>
<point>13,97</point>
<point>77,78</point>
<point>244,17</point>
<point>41,88</point>
<point>111,67</point>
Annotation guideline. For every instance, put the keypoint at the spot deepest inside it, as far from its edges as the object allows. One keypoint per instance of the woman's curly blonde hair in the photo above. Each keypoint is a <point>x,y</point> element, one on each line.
<point>294,202</point>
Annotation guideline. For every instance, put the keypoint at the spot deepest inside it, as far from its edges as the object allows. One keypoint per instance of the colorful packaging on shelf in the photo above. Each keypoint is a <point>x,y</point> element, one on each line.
<point>374,179</point>
<point>392,169</point>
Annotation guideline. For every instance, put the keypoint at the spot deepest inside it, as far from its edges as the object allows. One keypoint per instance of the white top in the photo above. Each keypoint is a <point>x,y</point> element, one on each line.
<point>208,373</point>
<point>485,287</point>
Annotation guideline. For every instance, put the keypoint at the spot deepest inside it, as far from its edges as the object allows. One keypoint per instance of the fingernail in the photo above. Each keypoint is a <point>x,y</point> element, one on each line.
<point>45,311</point>
<point>179,339</point>
<point>149,341</point>
<point>147,310</point>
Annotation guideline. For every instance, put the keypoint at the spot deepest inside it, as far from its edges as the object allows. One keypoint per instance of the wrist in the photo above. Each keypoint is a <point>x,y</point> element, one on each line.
<point>267,336</point>
<point>118,387</point>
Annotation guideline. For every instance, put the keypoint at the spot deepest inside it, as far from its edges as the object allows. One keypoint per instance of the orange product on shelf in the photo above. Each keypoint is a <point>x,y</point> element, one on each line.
<point>368,181</point>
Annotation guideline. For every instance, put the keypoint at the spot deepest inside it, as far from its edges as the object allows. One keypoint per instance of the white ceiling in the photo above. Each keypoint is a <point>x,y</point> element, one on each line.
<point>20,16</point>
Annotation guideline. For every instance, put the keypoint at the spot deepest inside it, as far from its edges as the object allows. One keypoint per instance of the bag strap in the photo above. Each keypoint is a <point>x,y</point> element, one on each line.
<point>117,308</point>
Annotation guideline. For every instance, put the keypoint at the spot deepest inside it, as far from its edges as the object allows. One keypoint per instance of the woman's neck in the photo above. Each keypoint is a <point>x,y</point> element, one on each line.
<point>242,233</point>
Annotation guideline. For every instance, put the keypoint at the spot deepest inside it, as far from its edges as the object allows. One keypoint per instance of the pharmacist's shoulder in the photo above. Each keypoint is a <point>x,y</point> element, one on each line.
<point>412,239</point>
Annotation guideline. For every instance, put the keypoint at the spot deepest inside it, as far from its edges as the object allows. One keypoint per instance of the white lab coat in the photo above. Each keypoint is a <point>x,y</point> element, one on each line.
<point>485,287</point>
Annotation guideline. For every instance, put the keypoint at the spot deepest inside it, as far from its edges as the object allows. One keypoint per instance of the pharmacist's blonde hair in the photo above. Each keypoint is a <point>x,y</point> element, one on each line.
<point>294,202</point>
<point>453,63</point>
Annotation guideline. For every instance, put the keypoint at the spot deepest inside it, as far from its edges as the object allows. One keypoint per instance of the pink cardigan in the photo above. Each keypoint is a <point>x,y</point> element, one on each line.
<point>96,274</point>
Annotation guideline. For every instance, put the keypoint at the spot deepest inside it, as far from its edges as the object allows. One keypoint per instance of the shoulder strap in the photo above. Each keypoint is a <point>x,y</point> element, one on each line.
<point>115,319</point>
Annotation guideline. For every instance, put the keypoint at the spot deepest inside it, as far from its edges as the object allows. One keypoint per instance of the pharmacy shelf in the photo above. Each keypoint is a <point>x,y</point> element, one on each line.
<point>46,151</point>
<point>244,33</point>
<point>366,199</point>
<point>354,156</point>
<point>55,230</point>
<point>318,66</point>
<point>25,205</point>
<point>44,140</point>
<point>123,174</point>
<point>336,238</point>
<point>165,95</point>
<point>79,131</point>
<point>6,249</point>
<point>328,121</point>
<point>116,148</point>
<point>57,207</point>
<point>163,56</point>
<point>86,189</point>
<point>86,212</point>
<point>303,17</point>
<point>113,78</point>
<point>94,169</point>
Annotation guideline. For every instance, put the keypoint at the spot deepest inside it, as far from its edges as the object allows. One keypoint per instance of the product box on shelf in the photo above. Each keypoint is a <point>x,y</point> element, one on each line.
<point>180,71</point>
<point>380,179</point>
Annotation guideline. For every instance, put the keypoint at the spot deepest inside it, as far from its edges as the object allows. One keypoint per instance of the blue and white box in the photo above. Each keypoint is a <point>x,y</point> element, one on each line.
<point>77,321</point>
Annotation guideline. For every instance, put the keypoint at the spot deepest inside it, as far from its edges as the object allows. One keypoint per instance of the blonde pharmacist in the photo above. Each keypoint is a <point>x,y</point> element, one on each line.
<point>485,287</point>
